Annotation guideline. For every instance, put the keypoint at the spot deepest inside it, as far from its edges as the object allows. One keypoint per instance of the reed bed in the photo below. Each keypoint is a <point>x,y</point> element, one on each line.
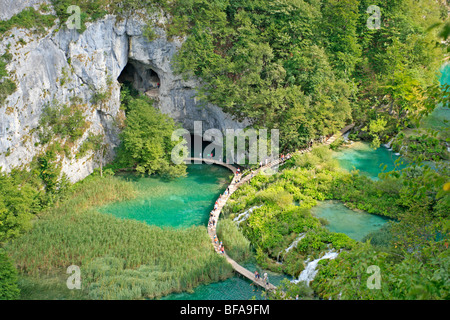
<point>236,244</point>
<point>119,258</point>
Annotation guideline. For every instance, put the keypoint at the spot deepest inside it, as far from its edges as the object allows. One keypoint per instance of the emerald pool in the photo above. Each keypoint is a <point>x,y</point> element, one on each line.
<point>234,288</point>
<point>354,223</point>
<point>370,162</point>
<point>179,203</point>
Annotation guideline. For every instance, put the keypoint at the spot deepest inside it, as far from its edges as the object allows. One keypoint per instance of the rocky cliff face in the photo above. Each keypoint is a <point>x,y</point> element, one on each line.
<point>8,8</point>
<point>63,64</point>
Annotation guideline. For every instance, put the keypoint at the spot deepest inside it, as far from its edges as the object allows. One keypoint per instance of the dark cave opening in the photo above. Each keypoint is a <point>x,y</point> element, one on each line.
<point>142,78</point>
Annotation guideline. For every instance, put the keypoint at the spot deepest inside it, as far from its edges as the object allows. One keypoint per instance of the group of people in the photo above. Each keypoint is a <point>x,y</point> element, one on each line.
<point>285,157</point>
<point>220,248</point>
<point>265,277</point>
<point>212,221</point>
<point>238,175</point>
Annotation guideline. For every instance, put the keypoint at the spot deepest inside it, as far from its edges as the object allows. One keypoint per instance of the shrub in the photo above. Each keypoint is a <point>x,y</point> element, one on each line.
<point>62,120</point>
<point>8,278</point>
<point>29,19</point>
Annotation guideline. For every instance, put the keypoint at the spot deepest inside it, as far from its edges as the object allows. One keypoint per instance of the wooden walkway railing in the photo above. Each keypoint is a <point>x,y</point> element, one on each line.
<point>237,181</point>
<point>212,161</point>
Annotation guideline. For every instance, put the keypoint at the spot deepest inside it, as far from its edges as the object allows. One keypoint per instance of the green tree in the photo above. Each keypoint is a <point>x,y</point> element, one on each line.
<point>8,278</point>
<point>147,144</point>
<point>18,202</point>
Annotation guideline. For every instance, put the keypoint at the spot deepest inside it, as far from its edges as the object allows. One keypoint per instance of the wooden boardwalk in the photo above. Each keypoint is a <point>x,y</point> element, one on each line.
<point>211,161</point>
<point>237,181</point>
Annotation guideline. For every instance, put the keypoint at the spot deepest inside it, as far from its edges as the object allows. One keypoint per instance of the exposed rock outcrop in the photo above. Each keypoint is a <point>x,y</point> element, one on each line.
<point>63,64</point>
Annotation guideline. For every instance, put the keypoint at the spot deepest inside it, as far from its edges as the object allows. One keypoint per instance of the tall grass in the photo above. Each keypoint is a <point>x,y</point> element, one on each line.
<point>236,244</point>
<point>119,259</point>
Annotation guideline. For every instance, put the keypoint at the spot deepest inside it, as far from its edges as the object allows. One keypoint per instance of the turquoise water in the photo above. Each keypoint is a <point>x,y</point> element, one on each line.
<point>235,288</point>
<point>370,162</point>
<point>439,119</point>
<point>355,224</point>
<point>179,203</point>
<point>445,74</point>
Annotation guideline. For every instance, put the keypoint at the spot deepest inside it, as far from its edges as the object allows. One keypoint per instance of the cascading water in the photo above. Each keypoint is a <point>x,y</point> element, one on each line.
<point>292,245</point>
<point>244,215</point>
<point>398,153</point>
<point>388,145</point>
<point>310,271</point>
<point>345,136</point>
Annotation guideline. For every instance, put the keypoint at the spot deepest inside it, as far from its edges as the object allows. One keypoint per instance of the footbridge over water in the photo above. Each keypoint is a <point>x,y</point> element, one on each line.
<point>237,181</point>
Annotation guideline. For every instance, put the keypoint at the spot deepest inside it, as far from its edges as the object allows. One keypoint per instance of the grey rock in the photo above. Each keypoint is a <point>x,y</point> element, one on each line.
<point>64,64</point>
<point>9,8</point>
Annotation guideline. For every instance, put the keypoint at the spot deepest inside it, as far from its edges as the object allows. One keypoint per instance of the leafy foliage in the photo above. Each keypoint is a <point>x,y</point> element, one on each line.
<point>62,120</point>
<point>7,86</point>
<point>18,203</point>
<point>8,278</point>
<point>92,143</point>
<point>147,143</point>
<point>29,18</point>
<point>410,250</point>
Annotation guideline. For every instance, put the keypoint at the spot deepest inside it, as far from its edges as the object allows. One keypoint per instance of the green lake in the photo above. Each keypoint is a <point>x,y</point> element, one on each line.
<point>370,162</point>
<point>354,223</point>
<point>179,203</point>
<point>187,201</point>
<point>234,288</point>
<point>182,203</point>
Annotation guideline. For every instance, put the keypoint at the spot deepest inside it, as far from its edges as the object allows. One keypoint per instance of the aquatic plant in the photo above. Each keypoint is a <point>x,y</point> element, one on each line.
<point>73,233</point>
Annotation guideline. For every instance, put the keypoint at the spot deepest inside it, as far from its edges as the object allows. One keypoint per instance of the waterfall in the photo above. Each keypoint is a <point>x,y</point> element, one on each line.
<point>398,153</point>
<point>295,242</point>
<point>244,215</point>
<point>388,145</point>
<point>345,136</point>
<point>292,245</point>
<point>310,271</point>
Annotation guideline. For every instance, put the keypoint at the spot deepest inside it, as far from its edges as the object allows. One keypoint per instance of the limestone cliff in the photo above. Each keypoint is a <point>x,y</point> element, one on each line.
<point>63,64</point>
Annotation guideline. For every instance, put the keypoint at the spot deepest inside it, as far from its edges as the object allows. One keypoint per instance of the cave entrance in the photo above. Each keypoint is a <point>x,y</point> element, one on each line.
<point>142,78</point>
<point>193,139</point>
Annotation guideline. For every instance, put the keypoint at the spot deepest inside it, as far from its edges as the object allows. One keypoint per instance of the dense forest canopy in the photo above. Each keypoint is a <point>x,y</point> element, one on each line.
<point>306,67</point>
<point>310,67</point>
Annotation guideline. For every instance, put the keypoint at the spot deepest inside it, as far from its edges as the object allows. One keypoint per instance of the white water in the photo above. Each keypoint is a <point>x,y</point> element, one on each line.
<point>398,153</point>
<point>244,215</point>
<point>345,136</point>
<point>295,242</point>
<point>388,145</point>
<point>292,245</point>
<point>310,271</point>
